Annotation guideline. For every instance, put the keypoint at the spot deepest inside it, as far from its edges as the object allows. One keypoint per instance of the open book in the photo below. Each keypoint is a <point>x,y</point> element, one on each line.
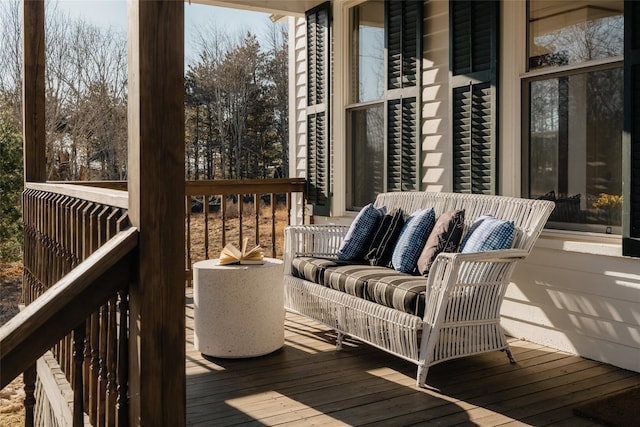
<point>232,255</point>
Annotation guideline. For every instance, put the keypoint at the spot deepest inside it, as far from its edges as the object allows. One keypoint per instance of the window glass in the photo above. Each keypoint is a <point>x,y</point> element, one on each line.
<point>367,151</point>
<point>365,115</point>
<point>368,51</point>
<point>575,155</point>
<point>574,32</point>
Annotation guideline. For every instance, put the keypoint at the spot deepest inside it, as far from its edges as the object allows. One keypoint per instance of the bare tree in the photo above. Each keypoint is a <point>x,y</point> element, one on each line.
<point>237,105</point>
<point>86,105</point>
<point>11,55</point>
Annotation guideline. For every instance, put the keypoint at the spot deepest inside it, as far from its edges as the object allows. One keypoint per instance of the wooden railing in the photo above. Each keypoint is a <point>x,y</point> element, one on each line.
<point>78,247</point>
<point>77,258</point>
<point>214,215</point>
<point>226,211</point>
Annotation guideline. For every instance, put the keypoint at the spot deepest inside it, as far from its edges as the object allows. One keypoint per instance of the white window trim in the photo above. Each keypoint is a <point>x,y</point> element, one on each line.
<point>339,83</point>
<point>513,39</point>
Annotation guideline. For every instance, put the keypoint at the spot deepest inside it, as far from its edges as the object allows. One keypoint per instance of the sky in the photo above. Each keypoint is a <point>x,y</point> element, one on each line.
<point>113,13</point>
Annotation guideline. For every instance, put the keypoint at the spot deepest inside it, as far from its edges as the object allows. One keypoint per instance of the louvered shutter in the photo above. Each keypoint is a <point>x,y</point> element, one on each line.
<point>318,59</point>
<point>631,135</point>
<point>473,63</point>
<point>404,50</point>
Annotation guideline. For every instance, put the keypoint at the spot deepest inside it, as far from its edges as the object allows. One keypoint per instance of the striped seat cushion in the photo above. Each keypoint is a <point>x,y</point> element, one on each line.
<point>310,269</point>
<point>401,291</point>
<point>352,279</point>
<point>382,285</point>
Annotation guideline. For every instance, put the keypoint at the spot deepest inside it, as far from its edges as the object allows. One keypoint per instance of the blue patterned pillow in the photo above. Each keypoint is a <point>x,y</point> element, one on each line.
<point>412,239</point>
<point>361,232</point>
<point>488,234</point>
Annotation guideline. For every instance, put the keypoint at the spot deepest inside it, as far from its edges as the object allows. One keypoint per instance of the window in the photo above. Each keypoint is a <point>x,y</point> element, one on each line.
<point>382,110</point>
<point>574,101</point>
<point>366,112</point>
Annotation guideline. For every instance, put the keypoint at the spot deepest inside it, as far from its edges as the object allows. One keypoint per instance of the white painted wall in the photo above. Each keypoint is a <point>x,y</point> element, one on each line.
<point>583,303</point>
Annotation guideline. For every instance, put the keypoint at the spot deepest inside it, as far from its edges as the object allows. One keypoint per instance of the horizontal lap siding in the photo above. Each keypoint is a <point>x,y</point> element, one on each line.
<point>576,302</point>
<point>436,147</point>
<point>297,112</point>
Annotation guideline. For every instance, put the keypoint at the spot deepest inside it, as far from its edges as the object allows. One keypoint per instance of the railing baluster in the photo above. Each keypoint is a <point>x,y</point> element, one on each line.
<point>86,366</point>
<point>65,356</point>
<point>273,225</point>
<point>256,206</point>
<point>29,379</point>
<point>112,345</point>
<point>240,206</point>
<point>205,210</point>
<point>95,366</point>
<point>224,220</point>
<point>78,359</point>
<point>102,373</point>
<point>187,208</point>
<point>122,403</point>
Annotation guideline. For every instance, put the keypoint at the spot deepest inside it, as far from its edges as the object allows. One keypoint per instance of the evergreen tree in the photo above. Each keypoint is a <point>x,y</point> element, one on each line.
<point>11,186</point>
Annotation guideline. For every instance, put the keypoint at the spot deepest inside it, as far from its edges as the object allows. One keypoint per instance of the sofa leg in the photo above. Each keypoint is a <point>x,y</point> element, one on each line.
<point>421,378</point>
<point>339,341</point>
<point>510,355</point>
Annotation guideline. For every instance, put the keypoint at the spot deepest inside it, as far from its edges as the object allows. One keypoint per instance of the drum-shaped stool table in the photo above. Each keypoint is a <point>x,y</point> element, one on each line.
<point>238,309</point>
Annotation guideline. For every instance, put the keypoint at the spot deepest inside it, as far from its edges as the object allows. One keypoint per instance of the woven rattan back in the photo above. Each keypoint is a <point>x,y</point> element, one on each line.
<point>528,216</point>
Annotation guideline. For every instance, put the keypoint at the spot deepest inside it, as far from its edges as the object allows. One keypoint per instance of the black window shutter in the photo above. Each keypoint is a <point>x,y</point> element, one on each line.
<point>631,134</point>
<point>318,60</point>
<point>474,81</point>
<point>404,52</point>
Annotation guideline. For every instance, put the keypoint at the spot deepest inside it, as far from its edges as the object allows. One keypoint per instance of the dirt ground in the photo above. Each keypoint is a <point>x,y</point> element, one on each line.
<point>12,396</point>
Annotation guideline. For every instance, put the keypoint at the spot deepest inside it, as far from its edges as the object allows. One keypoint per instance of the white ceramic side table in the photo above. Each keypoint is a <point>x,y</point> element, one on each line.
<point>238,309</point>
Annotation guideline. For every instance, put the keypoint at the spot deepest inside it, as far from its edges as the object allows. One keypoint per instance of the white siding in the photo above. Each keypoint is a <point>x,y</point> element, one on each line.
<point>297,108</point>
<point>436,144</point>
<point>583,303</point>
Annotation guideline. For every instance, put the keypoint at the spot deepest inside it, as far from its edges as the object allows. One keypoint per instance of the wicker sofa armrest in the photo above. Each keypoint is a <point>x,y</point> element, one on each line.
<point>455,273</point>
<point>321,241</point>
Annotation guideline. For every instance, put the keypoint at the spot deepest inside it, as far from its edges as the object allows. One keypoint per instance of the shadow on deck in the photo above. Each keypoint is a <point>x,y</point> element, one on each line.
<point>308,383</point>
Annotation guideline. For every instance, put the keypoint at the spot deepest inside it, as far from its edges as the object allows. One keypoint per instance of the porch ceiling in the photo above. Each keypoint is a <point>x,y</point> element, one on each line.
<point>277,7</point>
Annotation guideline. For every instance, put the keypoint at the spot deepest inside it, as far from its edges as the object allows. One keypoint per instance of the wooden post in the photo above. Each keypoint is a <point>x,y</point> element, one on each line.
<point>33,119</point>
<point>33,96</point>
<point>156,196</point>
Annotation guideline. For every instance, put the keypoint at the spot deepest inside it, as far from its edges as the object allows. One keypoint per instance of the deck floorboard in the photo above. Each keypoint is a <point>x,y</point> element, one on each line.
<point>308,383</point>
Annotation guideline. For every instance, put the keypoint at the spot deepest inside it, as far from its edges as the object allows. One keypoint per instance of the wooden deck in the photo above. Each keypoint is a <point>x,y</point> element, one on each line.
<point>308,383</point>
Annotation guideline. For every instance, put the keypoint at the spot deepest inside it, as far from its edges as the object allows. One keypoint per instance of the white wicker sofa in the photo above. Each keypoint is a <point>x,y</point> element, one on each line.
<point>459,313</point>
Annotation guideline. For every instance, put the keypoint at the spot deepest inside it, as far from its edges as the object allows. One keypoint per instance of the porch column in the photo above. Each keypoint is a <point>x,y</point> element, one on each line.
<point>33,131</point>
<point>156,205</point>
<point>33,96</point>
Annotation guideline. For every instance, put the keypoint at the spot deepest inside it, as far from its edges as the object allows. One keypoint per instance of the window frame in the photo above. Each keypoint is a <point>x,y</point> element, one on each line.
<point>547,73</point>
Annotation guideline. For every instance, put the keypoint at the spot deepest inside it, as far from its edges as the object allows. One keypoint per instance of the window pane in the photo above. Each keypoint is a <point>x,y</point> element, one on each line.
<point>575,146</point>
<point>367,151</point>
<point>573,32</point>
<point>368,49</point>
